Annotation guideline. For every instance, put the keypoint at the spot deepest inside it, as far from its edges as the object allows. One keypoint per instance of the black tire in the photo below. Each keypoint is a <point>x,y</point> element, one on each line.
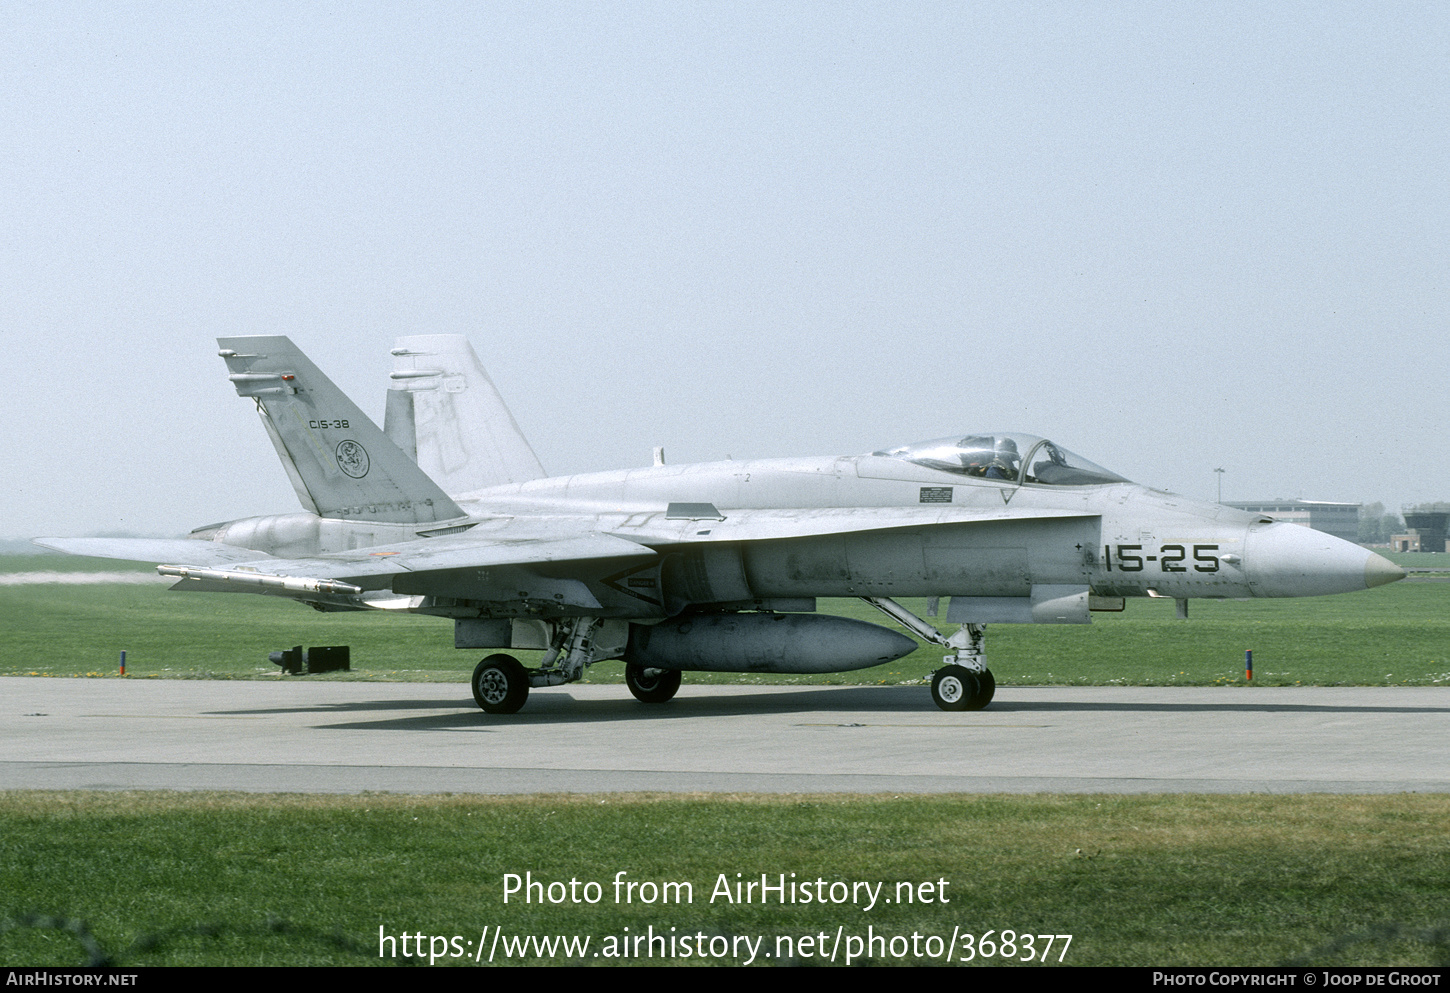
<point>986,689</point>
<point>656,687</point>
<point>500,684</point>
<point>953,687</point>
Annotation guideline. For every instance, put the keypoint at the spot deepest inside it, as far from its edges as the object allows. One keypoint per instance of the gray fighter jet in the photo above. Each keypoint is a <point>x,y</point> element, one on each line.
<point>708,567</point>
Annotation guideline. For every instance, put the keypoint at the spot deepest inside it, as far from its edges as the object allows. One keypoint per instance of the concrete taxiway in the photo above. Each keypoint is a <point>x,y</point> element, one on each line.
<point>296,735</point>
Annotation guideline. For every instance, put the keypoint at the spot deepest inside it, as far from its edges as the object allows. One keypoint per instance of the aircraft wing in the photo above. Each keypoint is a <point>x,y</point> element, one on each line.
<point>462,551</point>
<point>495,544</point>
<point>209,566</point>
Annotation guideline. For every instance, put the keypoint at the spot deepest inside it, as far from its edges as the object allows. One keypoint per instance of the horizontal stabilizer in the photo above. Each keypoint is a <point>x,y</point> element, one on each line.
<point>156,550</point>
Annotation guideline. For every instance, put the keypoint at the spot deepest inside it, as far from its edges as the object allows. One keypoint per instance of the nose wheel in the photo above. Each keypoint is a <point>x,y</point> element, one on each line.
<point>956,687</point>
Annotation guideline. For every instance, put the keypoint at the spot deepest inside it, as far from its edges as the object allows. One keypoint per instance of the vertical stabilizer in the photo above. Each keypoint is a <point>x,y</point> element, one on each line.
<point>443,405</point>
<point>338,460</point>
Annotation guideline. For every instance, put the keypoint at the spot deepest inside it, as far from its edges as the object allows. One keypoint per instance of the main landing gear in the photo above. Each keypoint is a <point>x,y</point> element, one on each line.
<point>963,682</point>
<point>651,685</point>
<point>500,684</point>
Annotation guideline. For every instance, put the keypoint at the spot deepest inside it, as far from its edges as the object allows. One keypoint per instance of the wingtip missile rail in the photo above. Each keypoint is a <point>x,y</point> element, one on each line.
<point>291,583</point>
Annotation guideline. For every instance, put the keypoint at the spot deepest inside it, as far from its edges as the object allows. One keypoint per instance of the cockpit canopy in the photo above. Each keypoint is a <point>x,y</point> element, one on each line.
<point>1018,458</point>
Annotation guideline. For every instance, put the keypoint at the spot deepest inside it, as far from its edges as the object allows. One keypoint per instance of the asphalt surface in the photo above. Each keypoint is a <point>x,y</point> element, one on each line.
<point>314,736</point>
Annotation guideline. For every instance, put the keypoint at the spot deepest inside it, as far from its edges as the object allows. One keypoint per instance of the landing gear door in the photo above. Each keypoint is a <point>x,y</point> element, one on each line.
<point>1050,603</point>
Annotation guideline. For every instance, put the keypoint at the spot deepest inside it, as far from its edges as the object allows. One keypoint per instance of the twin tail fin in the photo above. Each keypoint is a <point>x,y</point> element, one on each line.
<point>339,462</point>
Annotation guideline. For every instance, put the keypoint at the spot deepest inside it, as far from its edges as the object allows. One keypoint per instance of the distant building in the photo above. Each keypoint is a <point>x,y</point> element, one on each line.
<point>1426,525</point>
<point>1338,519</point>
<point>1412,542</point>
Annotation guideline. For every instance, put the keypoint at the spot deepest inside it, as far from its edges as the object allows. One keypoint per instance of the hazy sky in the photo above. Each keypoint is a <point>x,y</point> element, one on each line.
<point>1170,236</point>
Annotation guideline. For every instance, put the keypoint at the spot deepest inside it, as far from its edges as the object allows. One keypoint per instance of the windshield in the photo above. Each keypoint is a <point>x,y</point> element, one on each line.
<point>1021,458</point>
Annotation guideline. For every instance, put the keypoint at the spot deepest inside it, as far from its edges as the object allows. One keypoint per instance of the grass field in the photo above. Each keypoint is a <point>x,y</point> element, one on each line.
<point>1164,880</point>
<point>1394,635</point>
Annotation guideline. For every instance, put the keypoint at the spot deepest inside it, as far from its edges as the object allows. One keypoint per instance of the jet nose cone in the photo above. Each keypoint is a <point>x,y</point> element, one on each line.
<point>1283,559</point>
<point>1379,570</point>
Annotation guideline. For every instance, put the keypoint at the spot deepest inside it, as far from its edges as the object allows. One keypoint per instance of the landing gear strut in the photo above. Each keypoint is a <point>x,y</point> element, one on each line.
<point>651,685</point>
<point>501,684</point>
<point>963,682</point>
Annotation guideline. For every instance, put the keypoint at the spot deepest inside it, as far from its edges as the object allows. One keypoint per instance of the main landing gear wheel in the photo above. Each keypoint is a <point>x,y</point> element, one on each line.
<point>956,687</point>
<point>651,685</point>
<point>500,684</point>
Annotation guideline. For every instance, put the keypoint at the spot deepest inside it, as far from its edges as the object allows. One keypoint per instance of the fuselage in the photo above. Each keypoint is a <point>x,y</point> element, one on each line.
<point>778,533</point>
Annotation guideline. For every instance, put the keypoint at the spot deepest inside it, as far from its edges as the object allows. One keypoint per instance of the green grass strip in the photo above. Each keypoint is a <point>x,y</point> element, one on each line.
<point>227,879</point>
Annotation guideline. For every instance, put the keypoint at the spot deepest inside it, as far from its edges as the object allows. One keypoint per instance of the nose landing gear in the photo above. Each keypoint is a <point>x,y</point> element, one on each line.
<point>956,687</point>
<point>964,682</point>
